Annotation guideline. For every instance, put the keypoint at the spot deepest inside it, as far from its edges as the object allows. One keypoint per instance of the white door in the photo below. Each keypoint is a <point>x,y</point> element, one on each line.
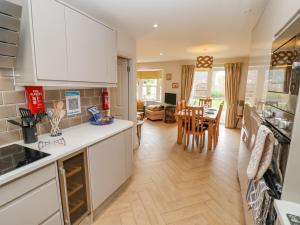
<point>120,94</point>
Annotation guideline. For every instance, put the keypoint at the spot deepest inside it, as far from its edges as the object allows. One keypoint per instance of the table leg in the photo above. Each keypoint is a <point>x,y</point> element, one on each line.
<point>210,135</point>
<point>179,132</point>
<point>139,131</point>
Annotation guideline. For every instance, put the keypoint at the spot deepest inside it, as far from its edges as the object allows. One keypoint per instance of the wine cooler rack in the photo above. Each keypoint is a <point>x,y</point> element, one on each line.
<point>74,187</point>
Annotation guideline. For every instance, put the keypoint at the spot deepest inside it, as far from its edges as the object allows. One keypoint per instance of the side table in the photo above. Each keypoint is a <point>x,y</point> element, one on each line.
<point>170,114</point>
<point>139,125</point>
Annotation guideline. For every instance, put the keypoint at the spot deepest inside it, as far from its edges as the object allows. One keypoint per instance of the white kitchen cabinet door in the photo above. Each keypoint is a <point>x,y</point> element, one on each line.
<point>107,167</point>
<point>48,19</point>
<point>32,208</point>
<point>53,220</point>
<point>129,152</point>
<point>91,49</point>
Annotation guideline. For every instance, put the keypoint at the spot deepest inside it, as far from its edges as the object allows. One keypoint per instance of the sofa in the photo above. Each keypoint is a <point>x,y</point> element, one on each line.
<point>155,112</point>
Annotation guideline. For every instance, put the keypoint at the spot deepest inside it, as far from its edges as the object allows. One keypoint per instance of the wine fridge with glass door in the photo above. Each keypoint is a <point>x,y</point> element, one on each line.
<point>74,186</point>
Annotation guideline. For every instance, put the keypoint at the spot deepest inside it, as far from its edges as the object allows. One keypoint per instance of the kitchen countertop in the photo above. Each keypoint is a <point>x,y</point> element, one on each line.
<point>283,207</point>
<point>76,137</point>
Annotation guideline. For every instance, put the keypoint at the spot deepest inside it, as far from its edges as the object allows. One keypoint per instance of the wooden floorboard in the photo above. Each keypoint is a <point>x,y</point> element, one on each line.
<point>172,186</point>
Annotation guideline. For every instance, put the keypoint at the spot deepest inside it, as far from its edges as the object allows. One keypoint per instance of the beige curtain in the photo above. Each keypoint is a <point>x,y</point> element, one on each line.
<point>232,83</point>
<point>187,77</point>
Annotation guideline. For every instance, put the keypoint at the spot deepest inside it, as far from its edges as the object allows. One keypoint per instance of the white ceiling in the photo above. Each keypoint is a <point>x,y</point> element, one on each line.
<point>187,28</point>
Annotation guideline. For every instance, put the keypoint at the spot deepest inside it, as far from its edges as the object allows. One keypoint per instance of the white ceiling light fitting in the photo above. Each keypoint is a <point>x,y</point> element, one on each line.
<point>161,53</point>
<point>155,25</point>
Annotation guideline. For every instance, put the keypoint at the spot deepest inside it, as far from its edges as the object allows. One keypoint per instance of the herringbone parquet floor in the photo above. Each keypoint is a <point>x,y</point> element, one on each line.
<point>176,187</point>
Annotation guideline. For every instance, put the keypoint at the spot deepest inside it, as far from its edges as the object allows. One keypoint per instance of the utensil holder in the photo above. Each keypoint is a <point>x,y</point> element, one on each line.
<point>30,134</point>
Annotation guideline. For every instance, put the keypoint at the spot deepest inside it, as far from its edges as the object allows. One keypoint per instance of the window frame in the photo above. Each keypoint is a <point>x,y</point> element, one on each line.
<point>207,84</point>
<point>140,85</point>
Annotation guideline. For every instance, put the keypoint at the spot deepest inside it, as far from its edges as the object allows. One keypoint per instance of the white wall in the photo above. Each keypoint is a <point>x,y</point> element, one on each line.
<point>126,47</point>
<point>174,67</point>
<point>277,13</point>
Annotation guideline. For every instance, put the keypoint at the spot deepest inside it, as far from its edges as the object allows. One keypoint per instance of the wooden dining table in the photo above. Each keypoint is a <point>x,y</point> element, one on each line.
<point>209,117</point>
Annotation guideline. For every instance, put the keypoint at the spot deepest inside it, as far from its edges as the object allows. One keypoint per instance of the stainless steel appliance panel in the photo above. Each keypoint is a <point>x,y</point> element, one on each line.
<point>9,22</point>
<point>7,61</point>
<point>10,9</point>
<point>8,36</point>
<point>8,49</point>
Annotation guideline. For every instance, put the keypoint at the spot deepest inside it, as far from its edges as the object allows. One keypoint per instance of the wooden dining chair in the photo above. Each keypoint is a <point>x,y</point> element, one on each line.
<point>193,124</point>
<point>180,105</point>
<point>216,128</point>
<point>205,102</point>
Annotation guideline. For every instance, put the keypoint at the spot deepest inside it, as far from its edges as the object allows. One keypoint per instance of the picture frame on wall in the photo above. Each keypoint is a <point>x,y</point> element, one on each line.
<point>175,85</point>
<point>168,76</point>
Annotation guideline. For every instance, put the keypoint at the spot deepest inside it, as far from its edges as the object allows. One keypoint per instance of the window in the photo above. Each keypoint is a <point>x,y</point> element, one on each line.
<point>200,87</point>
<point>209,83</point>
<point>149,89</point>
<point>218,87</point>
<point>250,96</point>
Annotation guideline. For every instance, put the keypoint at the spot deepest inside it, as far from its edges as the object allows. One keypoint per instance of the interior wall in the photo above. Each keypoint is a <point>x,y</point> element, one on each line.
<point>174,67</point>
<point>126,47</point>
<point>276,14</point>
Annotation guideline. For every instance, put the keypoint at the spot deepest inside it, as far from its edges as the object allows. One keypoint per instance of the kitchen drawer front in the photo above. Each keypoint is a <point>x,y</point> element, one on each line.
<point>32,208</point>
<point>18,187</point>
<point>54,220</point>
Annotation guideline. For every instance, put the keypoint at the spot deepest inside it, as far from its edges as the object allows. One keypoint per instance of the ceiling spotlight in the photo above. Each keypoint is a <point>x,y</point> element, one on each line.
<point>161,53</point>
<point>155,25</point>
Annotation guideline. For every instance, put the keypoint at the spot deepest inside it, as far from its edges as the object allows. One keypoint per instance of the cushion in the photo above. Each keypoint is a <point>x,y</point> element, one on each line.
<point>140,104</point>
<point>155,107</point>
<point>155,112</point>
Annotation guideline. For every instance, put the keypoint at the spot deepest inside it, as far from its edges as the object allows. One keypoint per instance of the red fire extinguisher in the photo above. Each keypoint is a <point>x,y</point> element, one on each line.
<point>105,99</point>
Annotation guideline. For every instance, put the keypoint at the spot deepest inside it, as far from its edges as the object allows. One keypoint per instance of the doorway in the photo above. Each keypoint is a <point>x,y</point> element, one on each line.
<point>120,94</point>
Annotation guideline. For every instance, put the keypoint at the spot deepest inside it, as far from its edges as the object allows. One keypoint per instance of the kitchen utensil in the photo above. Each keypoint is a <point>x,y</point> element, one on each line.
<point>14,123</point>
<point>39,117</point>
<point>28,125</point>
<point>27,117</point>
<point>55,115</point>
<point>60,105</point>
<point>277,121</point>
<point>25,112</point>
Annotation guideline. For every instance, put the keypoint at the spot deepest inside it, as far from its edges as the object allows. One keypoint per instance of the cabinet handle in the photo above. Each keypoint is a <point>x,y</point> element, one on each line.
<point>63,174</point>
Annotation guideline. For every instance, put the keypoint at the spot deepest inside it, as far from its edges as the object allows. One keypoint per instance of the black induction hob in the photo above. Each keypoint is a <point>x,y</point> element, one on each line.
<point>15,156</point>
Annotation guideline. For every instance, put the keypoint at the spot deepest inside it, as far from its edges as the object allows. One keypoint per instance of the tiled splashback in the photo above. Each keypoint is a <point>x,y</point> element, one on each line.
<point>11,99</point>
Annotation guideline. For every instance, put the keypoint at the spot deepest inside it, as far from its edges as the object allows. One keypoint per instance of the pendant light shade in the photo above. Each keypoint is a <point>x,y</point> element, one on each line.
<point>283,58</point>
<point>204,62</point>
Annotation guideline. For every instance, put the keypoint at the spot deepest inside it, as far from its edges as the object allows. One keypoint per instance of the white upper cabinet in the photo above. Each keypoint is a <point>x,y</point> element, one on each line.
<point>48,19</point>
<point>61,46</point>
<point>91,49</point>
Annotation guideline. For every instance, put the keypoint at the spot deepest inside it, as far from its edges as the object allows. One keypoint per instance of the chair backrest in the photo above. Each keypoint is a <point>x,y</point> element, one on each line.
<point>194,119</point>
<point>219,114</point>
<point>180,105</point>
<point>205,102</point>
